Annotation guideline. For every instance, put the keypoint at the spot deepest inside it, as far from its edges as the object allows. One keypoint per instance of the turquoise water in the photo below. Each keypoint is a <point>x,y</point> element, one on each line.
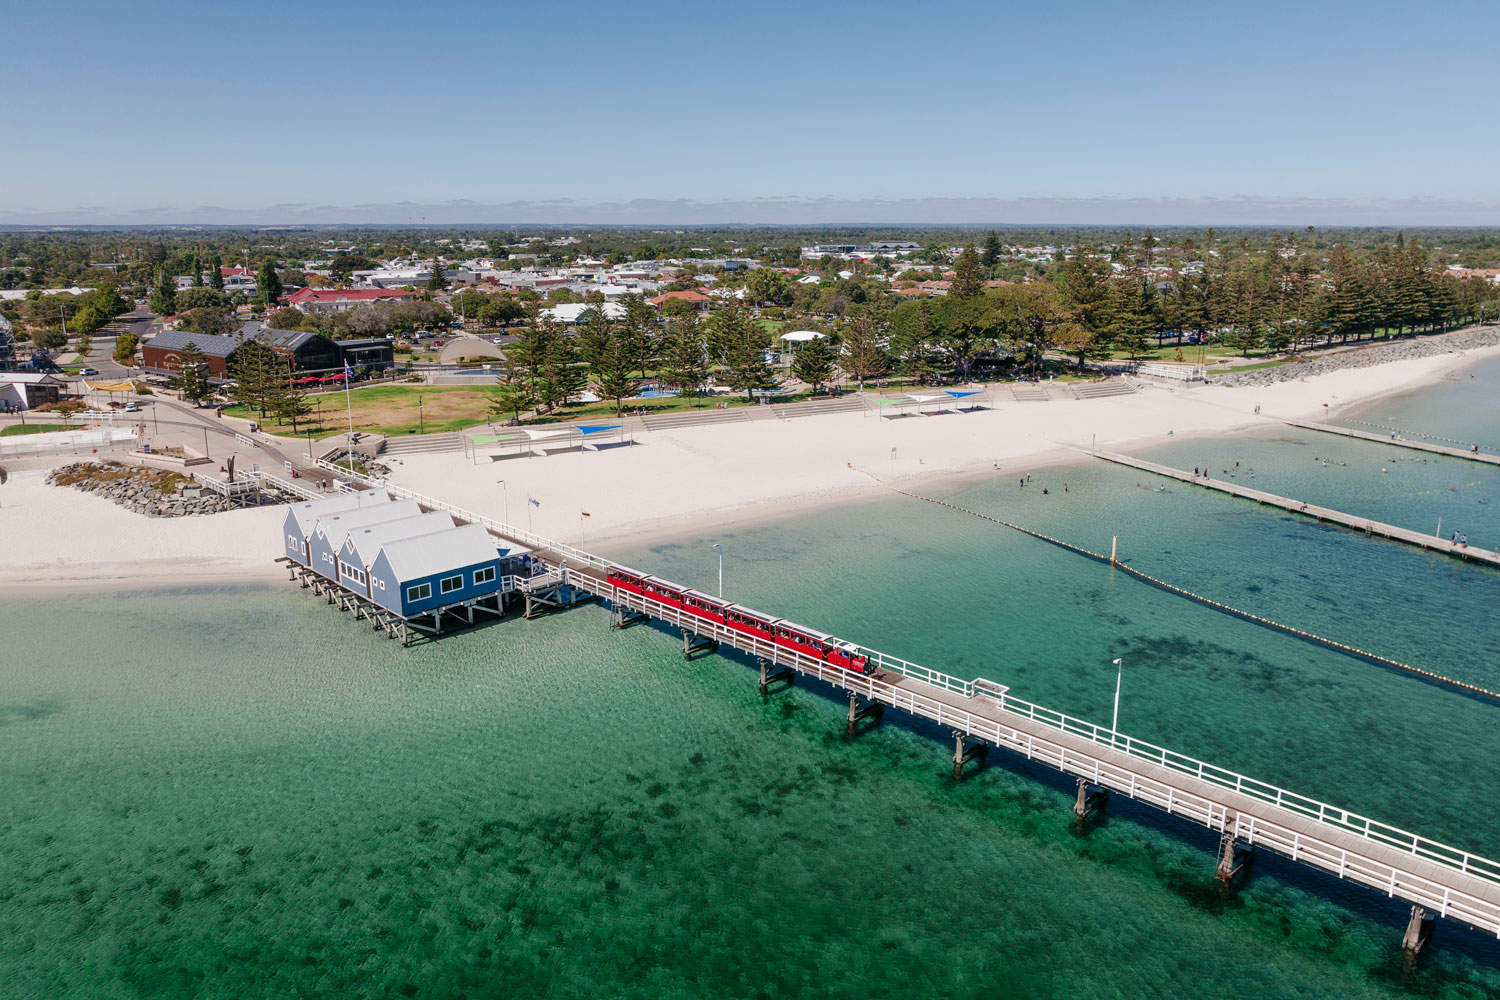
<point>242,793</point>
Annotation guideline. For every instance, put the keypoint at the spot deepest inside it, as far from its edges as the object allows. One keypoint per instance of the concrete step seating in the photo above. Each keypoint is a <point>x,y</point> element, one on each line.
<point>1030,392</point>
<point>695,418</point>
<point>1108,387</point>
<point>414,444</point>
<point>818,407</point>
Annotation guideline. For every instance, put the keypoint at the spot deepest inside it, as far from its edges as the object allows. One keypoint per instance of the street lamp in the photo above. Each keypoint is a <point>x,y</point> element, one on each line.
<point>721,569</point>
<point>505,498</point>
<point>1114,726</point>
<point>421,425</point>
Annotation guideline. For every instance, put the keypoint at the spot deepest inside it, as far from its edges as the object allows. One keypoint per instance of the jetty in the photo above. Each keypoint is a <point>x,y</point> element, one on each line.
<point>1328,514</point>
<point>1438,880</point>
<point>1395,441</point>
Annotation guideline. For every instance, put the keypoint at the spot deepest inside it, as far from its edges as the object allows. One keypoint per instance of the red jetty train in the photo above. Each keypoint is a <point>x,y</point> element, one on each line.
<point>798,638</point>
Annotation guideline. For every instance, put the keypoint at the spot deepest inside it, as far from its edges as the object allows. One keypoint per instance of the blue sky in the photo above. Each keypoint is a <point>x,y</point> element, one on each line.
<point>1155,112</point>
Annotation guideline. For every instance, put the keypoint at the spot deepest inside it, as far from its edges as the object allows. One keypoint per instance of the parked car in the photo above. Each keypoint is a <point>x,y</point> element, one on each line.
<point>132,407</point>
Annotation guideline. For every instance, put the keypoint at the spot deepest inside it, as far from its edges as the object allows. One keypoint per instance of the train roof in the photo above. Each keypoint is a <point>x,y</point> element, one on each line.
<point>759,615</point>
<point>620,568</point>
<point>812,632</point>
<point>700,595</point>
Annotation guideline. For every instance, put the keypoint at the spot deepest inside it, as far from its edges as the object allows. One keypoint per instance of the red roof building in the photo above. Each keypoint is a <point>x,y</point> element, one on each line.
<point>326,300</point>
<point>697,298</point>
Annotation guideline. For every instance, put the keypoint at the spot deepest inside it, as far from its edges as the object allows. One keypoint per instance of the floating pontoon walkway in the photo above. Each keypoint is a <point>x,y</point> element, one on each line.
<point>1364,524</point>
<point>1395,442</point>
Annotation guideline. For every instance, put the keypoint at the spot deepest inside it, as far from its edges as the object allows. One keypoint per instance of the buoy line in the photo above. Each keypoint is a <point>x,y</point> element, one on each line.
<point>1206,601</point>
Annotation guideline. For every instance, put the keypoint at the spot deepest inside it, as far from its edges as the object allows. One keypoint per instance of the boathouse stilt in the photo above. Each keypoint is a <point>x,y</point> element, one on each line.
<point>868,710</point>
<point>965,749</point>
<point>1418,932</point>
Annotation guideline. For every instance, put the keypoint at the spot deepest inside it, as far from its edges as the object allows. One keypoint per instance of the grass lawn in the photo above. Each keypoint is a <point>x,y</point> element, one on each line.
<point>15,429</point>
<point>392,410</point>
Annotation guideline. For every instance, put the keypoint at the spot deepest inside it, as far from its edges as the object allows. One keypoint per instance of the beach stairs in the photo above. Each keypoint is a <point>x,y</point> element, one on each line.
<point>1108,387</point>
<point>819,407</point>
<point>695,418</point>
<point>415,444</point>
<point>1030,392</point>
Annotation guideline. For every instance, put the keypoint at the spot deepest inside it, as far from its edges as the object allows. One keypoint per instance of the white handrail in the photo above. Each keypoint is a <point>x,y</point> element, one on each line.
<point>1454,858</point>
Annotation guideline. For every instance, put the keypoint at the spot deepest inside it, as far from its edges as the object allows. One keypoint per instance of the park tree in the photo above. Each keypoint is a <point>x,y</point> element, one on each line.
<point>200,298</point>
<point>861,354</point>
<point>164,296</point>
<point>190,380</point>
<point>125,345</point>
<point>289,402</point>
<point>268,282</point>
<point>684,356</point>
<point>768,286</point>
<point>739,344</point>
<point>196,269</point>
<point>968,278</point>
<point>911,342</point>
<point>259,373</point>
<point>814,363</point>
<point>216,272</point>
<point>611,369</point>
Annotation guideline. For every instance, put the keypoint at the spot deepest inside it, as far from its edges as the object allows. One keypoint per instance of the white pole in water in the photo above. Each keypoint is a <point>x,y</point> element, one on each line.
<point>1114,726</point>
<point>1114,545</point>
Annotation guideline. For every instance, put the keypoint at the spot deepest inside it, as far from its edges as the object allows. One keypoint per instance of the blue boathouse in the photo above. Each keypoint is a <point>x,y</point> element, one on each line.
<point>328,537</point>
<point>363,544</point>
<point>302,518</point>
<point>416,576</point>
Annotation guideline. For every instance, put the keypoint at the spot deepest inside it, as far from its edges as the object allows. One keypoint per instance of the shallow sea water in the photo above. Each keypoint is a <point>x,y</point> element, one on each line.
<point>242,793</point>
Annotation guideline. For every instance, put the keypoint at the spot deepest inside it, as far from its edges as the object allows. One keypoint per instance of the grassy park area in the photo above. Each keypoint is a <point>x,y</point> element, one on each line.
<point>15,429</point>
<point>395,410</point>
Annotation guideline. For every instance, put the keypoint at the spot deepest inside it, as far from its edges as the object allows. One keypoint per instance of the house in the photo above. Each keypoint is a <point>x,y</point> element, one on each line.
<point>415,576</point>
<point>24,390</point>
<point>362,545</point>
<point>376,353</point>
<point>573,312</point>
<point>302,351</point>
<point>809,279</point>
<point>328,536</point>
<point>695,298</point>
<point>335,300</point>
<point>162,354</point>
<point>302,519</point>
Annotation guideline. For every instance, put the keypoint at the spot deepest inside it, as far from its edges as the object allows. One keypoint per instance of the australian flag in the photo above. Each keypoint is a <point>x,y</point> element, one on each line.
<point>348,372</point>
<point>533,501</point>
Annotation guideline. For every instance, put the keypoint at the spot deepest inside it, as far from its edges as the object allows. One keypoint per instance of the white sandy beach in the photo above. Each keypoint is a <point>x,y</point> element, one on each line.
<point>692,481</point>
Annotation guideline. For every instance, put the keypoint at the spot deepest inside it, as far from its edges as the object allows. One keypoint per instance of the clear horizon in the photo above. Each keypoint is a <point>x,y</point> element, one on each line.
<point>1168,114</point>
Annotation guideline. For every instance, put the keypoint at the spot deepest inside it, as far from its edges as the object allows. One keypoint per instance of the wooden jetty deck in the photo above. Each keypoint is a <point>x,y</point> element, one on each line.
<point>1438,880</point>
<point>1395,442</point>
<point>1363,524</point>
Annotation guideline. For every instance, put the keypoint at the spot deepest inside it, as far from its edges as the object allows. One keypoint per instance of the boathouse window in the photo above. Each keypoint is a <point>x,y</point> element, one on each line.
<point>352,572</point>
<point>486,575</point>
<point>420,592</point>
<point>452,583</point>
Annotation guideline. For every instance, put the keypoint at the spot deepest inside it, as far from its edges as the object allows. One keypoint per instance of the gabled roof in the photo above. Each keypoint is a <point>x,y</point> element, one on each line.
<point>691,295</point>
<point>367,541</point>
<point>336,527</point>
<point>446,551</point>
<point>209,344</point>
<point>346,295</point>
<point>307,513</point>
<point>284,340</point>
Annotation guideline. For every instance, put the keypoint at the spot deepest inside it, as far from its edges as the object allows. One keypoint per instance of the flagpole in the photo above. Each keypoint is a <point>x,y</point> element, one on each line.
<point>349,410</point>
